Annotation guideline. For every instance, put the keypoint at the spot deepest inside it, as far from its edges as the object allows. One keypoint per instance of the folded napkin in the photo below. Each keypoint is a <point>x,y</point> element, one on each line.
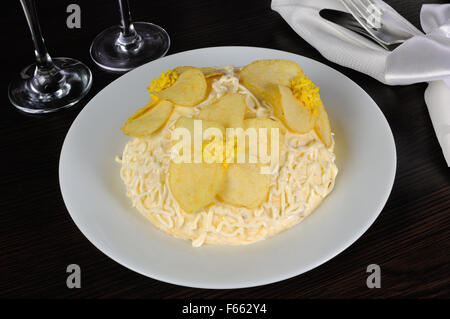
<point>423,58</point>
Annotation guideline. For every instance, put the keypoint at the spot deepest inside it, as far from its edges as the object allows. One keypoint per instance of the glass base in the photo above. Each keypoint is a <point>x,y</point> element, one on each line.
<point>153,42</point>
<point>74,79</point>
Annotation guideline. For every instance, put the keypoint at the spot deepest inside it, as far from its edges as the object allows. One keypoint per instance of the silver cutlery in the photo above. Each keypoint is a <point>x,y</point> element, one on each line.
<point>382,22</point>
<point>347,21</point>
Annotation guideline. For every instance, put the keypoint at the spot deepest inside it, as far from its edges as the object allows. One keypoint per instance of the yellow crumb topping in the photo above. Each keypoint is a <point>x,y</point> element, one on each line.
<point>306,92</point>
<point>164,81</point>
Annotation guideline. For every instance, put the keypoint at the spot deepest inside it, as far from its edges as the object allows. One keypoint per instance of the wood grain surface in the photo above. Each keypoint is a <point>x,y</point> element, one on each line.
<point>38,239</point>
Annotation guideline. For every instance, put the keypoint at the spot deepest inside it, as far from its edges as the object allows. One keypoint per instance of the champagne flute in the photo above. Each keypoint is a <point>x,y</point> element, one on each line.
<point>123,47</point>
<point>49,84</point>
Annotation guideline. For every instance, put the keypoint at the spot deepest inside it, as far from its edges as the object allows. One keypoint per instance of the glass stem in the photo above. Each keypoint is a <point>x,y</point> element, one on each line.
<point>43,59</point>
<point>47,76</point>
<point>125,17</point>
<point>128,35</point>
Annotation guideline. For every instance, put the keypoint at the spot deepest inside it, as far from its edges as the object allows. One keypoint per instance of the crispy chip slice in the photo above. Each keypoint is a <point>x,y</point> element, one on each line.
<point>148,119</point>
<point>188,90</point>
<point>262,73</point>
<point>195,185</point>
<point>209,82</point>
<point>268,123</point>
<point>245,185</point>
<point>229,110</point>
<point>265,122</point>
<point>289,110</point>
<point>207,71</point>
<point>188,123</point>
<point>210,72</point>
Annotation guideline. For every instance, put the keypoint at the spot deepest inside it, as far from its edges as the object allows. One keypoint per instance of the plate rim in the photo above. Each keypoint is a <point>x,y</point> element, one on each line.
<point>274,279</point>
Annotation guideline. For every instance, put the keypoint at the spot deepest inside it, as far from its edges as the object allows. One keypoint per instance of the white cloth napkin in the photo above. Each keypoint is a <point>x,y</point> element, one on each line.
<point>423,58</point>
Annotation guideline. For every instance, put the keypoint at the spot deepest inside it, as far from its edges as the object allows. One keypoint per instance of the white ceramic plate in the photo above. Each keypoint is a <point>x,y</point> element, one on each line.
<point>95,197</point>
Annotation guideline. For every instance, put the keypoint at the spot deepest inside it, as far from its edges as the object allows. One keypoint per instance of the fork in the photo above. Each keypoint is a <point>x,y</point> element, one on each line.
<point>387,26</point>
<point>382,22</point>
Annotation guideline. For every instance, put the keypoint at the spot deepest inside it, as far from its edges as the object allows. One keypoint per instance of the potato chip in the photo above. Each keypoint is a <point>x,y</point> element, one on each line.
<point>207,71</point>
<point>322,127</point>
<point>229,111</point>
<point>289,110</point>
<point>188,123</point>
<point>209,82</point>
<point>148,119</point>
<point>268,123</point>
<point>262,73</point>
<point>211,72</point>
<point>195,186</point>
<point>249,113</point>
<point>188,90</point>
<point>181,69</point>
<point>264,122</point>
<point>245,185</point>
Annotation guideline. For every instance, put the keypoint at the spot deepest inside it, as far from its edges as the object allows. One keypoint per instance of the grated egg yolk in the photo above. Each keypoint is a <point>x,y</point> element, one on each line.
<point>164,81</point>
<point>306,92</point>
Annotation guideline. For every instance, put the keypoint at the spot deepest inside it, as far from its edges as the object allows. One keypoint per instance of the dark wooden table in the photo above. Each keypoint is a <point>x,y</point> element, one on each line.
<point>38,239</point>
